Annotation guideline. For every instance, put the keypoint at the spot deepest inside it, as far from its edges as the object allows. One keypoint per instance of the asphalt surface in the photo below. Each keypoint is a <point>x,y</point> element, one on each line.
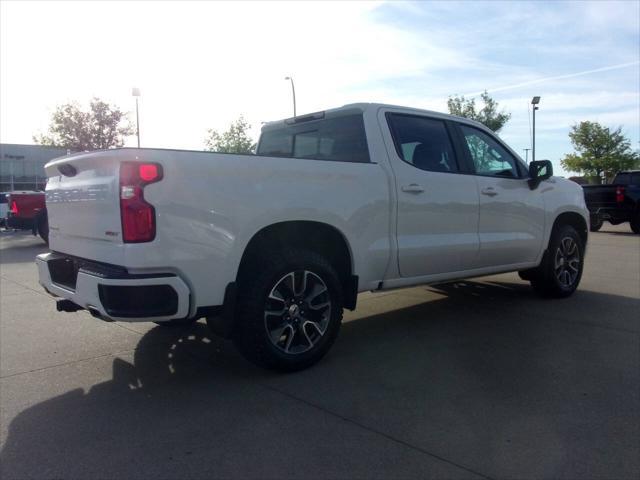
<point>473,379</point>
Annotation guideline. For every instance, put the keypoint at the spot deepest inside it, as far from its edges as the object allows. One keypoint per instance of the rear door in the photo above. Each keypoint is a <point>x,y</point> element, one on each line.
<point>511,224</point>
<point>437,206</point>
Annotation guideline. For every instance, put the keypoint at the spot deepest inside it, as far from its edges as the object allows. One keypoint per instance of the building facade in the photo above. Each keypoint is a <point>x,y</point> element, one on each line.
<point>22,166</point>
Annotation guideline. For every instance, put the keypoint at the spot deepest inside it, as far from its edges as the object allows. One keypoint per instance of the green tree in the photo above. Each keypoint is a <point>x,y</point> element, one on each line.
<point>102,126</point>
<point>599,151</point>
<point>234,140</point>
<point>487,115</point>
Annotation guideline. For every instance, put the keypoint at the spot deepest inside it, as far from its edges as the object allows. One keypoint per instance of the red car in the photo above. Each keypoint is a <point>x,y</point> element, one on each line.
<point>27,211</point>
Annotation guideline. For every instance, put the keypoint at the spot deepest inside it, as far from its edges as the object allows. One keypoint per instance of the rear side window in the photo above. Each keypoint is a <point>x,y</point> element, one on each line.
<point>423,142</point>
<point>340,139</point>
<point>3,198</point>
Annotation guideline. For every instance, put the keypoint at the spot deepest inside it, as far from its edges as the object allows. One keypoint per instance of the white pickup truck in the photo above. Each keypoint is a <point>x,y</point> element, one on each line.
<point>271,247</point>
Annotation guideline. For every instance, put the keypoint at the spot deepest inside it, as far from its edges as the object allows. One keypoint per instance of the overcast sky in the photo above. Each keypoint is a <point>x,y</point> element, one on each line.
<point>200,65</point>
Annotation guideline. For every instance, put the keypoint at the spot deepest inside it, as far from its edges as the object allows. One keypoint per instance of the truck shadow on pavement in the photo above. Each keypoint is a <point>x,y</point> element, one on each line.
<point>482,379</point>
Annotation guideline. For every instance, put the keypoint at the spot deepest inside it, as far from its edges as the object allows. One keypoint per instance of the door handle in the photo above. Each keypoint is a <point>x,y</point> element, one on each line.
<point>489,191</point>
<point>413,188</point>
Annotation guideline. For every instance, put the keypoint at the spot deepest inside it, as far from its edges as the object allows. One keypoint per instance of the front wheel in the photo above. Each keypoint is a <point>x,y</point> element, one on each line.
<point>561,268</point>
<point>635,223</point>
<point>289,310</point>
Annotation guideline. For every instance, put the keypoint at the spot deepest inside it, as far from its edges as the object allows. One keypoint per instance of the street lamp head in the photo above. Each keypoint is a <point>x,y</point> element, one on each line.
<point>535,100</point>
<point>135,92</point>
<point>287,78</point>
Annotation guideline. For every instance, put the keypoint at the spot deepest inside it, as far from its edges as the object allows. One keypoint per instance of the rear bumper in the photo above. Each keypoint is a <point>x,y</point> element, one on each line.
<point>20,223</point>
<point>110,292</point>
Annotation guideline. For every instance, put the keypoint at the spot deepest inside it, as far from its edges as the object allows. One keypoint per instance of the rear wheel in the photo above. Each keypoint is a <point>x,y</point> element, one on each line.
<point>560,272</point>
<point>635,223</point>
<point>41,225</point>
<point>289,310</point>
<point>596,224</point>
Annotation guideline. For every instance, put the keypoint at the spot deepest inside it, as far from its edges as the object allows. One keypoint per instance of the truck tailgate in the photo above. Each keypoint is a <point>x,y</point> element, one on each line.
<point>82,198</point>
<point>598,196</point>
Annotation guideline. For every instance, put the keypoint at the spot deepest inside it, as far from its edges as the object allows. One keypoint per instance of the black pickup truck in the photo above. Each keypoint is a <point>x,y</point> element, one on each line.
<point>616,202</point>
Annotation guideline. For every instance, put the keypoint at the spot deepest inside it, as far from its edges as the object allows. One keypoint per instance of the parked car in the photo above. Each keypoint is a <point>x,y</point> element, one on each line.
<point>4,208</point>
<point>27,211</point>
<point>271,247</point>
<point>616,203</point>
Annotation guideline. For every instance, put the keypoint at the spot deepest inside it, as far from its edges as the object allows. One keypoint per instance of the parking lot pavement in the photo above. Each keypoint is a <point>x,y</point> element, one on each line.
<point>471,379</point>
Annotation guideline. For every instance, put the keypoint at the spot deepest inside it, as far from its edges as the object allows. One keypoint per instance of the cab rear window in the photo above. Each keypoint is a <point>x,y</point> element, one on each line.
<point>627,178</point>
<point>339,139</point>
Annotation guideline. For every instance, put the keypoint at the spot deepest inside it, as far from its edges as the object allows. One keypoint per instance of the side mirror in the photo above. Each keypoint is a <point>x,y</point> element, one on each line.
<point>538,171</point>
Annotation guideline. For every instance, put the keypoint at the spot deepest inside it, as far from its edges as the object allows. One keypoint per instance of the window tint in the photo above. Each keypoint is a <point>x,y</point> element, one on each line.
<point>341,138</point>
<point>635,179</point>
<point>488,156</point>
<point>423,142</point>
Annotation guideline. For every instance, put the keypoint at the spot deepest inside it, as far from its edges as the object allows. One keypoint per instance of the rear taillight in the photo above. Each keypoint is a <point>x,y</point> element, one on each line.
<point>14,208</point>
<point>620,195</point>
<point>138,216</point>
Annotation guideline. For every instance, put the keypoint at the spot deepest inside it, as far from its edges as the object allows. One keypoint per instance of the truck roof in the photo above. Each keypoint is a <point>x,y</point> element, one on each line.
<point>360,107</point>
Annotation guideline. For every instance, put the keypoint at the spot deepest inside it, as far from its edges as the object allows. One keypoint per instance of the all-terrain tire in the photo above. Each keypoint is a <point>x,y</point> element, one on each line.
<point>42,225</point>
<point>266,305</point>
<point>560,271</point>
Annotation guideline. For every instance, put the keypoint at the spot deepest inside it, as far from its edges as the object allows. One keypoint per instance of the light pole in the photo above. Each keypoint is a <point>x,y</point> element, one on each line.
<point>136,93</point>
<point>526,155</point>
<point>534,101</point>
<point>293,90</point>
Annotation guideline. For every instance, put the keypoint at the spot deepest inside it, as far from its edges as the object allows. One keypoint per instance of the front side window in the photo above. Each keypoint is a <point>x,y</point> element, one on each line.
<point>423,142</point>
<point>340,139</point>
<point>488,156</point>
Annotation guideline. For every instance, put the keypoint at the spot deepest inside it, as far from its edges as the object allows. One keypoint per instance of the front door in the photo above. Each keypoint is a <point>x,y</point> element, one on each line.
<point>511,225</point>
